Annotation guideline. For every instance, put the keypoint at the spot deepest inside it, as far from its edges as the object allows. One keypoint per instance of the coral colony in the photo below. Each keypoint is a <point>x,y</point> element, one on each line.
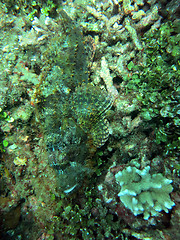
<point>144,193</point>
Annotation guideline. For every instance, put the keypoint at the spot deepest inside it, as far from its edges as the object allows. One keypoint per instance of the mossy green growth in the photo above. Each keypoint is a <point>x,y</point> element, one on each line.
<point>45,10</point>
<point>85,217</point>
<point>4,117</point>
<point>156,83</point>
<point>31,8</point>
<point>5,143</point>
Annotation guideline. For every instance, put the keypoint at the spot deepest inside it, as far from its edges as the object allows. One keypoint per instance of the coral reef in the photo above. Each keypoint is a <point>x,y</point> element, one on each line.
<point>89,90</point>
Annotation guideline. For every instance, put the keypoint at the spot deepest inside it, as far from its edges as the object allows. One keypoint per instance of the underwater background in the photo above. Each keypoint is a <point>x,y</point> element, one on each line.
<point>89,119</point>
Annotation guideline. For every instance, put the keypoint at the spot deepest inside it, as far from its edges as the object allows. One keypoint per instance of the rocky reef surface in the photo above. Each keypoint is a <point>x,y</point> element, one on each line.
<point>89,117</point>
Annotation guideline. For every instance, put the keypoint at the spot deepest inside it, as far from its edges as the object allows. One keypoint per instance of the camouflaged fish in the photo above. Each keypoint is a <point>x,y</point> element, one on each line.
<point>89,105</point>
<point>72,94</point>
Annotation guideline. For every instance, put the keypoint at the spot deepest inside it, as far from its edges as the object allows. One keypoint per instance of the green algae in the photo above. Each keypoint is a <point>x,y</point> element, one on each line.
<point>157,85</point>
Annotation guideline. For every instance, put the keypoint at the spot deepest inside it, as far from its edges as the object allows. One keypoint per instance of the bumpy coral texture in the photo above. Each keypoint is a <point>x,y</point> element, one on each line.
<point>144,193</point>
<point>89,106</point>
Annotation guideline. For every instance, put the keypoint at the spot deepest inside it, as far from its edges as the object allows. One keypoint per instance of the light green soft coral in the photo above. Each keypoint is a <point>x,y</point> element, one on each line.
<point>144,193</point>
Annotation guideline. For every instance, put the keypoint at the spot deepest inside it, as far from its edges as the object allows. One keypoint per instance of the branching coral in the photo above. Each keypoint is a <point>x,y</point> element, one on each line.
<point>144,193</point>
